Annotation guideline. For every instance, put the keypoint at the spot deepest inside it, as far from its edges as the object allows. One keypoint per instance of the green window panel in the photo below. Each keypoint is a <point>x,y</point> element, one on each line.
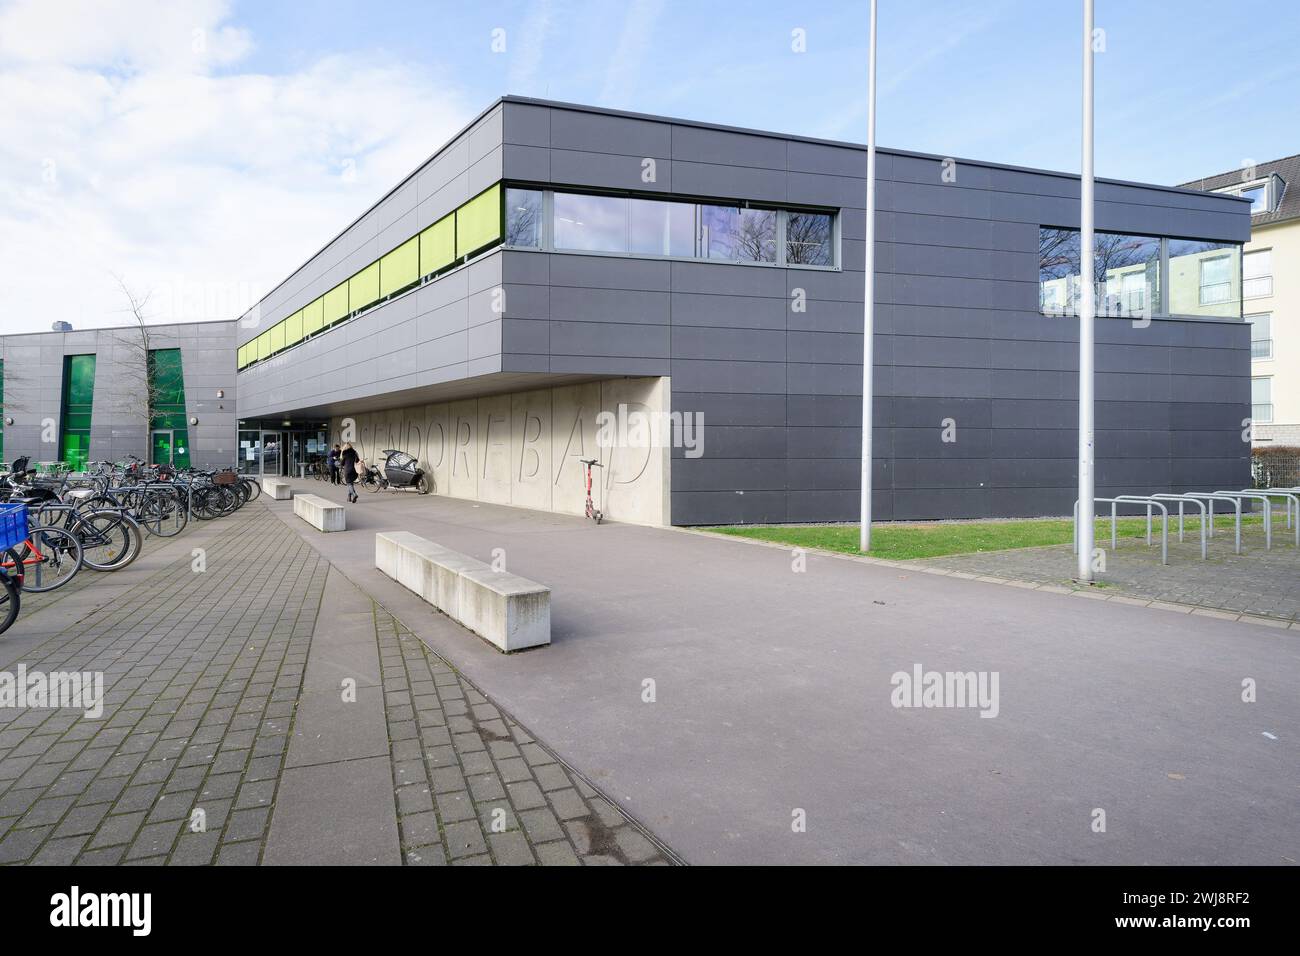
<point>478,222</point>
<point>168,424</point>
<point>363,288</point>
<point>263,345</point>
<point>241,356</point>
<point>400,267</point>
<point>438,245</point>
<point>336,303</point>
<point>293,329</point>
<point>78,401</point>
<point>313,317</point>
<point>277,337</point>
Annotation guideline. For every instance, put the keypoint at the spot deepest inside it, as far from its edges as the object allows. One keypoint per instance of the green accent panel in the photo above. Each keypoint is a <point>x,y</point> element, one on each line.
<point>313,317</point>
<point>78,399</point>
<point>363,288</point>
<point>277,337</point>
<point>478,222</point>
<point>400,267</point>
<point>438,245</point>
<point>263,345</point>
<point>293,329</point>
<point>336,303</point>
<point>241,356</point>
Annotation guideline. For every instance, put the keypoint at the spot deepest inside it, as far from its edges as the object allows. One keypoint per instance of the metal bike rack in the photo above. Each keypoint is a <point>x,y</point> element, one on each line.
<point>1114,503</point>
<point>1185,500</point>
<point>1211,497</point>
<point>1268,512</point>
<point>1289,496</point>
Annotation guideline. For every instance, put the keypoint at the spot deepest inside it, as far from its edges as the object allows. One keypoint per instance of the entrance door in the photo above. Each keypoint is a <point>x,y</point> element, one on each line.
<point>160,447</point>
<point>272,454</point>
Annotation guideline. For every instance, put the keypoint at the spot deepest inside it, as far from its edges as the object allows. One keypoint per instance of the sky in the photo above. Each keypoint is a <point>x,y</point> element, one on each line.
<point>198,151</point>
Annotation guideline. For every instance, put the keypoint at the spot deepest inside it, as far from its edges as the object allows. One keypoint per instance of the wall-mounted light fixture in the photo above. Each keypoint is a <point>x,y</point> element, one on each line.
<point>221,393</point>
<point>9,421</point>
<point>194,421</point>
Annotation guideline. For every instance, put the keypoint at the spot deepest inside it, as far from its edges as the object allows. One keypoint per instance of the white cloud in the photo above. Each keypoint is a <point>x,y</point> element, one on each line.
<point>131,143</point>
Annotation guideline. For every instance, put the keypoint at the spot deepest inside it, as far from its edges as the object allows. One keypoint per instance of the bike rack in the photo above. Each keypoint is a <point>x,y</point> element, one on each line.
<point>1289,496</point>
<point>1211,497</point>
<point>1184,500</point>
<point>1114,503</point>
<point>1268,512</point>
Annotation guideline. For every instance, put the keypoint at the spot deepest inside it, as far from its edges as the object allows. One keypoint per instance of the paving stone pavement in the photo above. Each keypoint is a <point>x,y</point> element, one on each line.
<point>203,673</point>
<point>1259,582</point>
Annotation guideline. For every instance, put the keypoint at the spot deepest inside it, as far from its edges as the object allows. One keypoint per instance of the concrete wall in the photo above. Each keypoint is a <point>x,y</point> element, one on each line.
<point>33,390</point>
<point>525,448</point>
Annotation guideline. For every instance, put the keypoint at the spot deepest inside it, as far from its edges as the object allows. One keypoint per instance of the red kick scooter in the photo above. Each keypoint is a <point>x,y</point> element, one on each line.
<point>592,510</point>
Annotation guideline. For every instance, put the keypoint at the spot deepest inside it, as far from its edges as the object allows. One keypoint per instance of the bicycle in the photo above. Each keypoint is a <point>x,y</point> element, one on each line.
<point>372,480</point>
<point>592,510</point>
<point>48,558</point>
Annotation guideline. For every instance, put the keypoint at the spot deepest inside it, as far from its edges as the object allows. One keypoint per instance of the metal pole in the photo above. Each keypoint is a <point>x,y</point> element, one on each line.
<point>1087,314</point>
<point>869,292</point>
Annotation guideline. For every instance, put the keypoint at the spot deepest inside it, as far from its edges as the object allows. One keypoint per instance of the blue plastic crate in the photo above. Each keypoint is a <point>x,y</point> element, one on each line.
<point>13,525</point>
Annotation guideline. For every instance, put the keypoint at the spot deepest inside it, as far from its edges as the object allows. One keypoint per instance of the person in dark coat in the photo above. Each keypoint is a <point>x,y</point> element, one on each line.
<point>333,462</point>
<point>349,461</point>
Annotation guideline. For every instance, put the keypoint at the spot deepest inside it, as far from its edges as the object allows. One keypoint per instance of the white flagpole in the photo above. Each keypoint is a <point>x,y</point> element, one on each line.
<point>1087,316</point>
<point>869,292</point>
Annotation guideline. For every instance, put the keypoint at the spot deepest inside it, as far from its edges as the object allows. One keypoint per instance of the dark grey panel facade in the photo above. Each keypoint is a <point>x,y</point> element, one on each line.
<point>771,356</point>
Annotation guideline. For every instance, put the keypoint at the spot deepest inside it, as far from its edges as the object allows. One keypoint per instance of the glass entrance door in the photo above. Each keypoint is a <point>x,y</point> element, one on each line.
<point>272,454</point>
<point>160,447</point>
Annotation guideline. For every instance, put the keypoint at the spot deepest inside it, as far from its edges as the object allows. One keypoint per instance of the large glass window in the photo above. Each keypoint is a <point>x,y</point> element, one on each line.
<point>1261,335</point>
<point>1204,278</point>
<point>1261,399</point>
<point>1257,274</point>
<point>658,228</point>
<point>524,218</point>
<point>169,428</point>
<point>738,235</point>
<point>590,223</point>
<point>1058,270</point>
<point>1127,270</point>
<point>808,239</point>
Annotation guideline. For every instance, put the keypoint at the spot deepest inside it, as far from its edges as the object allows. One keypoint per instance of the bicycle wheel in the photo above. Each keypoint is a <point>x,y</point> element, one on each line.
<point>255,486</point>
<point>109,540</point>
<point>372,485</point>
<point>10,600</point>
<point>161,513</point>
<point>51,557</point>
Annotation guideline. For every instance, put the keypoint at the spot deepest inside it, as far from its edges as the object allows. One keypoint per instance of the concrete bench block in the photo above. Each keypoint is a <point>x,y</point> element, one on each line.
<point>278,488</point>
<point>509,611</point>
<point>320,513</point>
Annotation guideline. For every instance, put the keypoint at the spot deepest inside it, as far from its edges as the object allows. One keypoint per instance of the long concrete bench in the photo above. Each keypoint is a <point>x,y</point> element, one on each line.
<point>320,513</point>
<point>277,488</point>
<point>509,611</point>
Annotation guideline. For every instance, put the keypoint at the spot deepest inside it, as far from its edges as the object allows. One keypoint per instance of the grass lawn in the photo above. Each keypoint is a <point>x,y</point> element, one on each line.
<point>900,542</point>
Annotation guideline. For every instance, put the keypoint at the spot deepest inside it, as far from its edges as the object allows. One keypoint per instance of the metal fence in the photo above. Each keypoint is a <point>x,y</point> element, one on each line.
<point>1275,471</point>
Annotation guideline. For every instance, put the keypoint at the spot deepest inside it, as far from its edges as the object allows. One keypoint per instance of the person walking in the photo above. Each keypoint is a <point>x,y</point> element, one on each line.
<point>333,462</point>
<point>349,461</point>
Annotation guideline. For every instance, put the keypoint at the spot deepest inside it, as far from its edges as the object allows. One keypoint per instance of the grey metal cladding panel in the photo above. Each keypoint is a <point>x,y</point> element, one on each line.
<point>608,170</point>
<point>609,339</point>
<point>486,171</point>
<point>742,345</point>
<point>608,365</point>
<point>820,474</point>
<point>836,348</point>
<point>745,441</point>
<point>732,409</point>
<point>720,278</point>
<point>727,507</point>
<point>730,311</point>
<point>928,442</point>
<point>840,410</point>
<point>528,336</point>
<point>729,474</point>
<point>732,182</point>
<point>724,147</point>
<point>606,272</point>
<point>530,163</point>
<point>823,441</point>
<point>929,412</point>
<point>601,133</point>
<point>452,164</point>
<point>827,506</point>
<point>823,159</point>
<point>526,125</point>
<point>632,307</point>
<point>486,135</point>
<point>702,375</point>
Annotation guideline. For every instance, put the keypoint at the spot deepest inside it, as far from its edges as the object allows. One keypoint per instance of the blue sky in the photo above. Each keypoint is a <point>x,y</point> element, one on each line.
<point>201,149</point>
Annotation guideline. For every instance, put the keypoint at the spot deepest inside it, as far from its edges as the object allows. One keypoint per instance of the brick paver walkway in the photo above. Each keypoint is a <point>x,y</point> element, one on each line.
<point>203,674</point>
<point>1259,582</point>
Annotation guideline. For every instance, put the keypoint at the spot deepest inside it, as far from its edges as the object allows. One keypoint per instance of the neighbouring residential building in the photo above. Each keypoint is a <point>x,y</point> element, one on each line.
<point>100,395</point>
<point>1270,291</point>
